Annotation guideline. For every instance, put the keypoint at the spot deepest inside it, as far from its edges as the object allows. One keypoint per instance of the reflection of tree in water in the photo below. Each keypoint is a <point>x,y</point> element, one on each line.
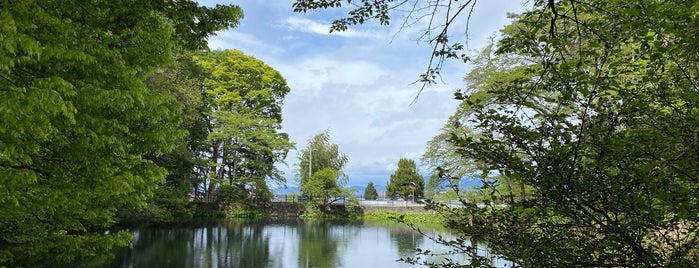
<point>406,240</point>
<point>154,246</point>
<point>245,245</point>
<point>319,243</point>
<point>229,245</point>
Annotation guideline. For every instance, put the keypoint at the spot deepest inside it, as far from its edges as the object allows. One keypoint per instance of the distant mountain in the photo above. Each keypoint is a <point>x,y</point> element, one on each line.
<point>359,190</point>
<point>286,190</point>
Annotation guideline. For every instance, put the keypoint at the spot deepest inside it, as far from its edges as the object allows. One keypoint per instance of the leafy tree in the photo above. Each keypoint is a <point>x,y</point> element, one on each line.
<point>406,182</point>
<point>320,172</point>
<point>322,188</point>
<point>245,97</point>
<point>597,124</point>
<point>181,79</point>
<point>600,121</point>
<point>441,156</point>
<point>80,127</point>
<point>229,194</point>
<point>370,192</point>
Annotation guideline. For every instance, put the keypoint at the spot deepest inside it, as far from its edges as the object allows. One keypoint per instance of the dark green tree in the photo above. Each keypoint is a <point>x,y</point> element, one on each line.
<point>406,182</point>
<point>80,128</point>
<point>370,192</point>
<point>181,79</point>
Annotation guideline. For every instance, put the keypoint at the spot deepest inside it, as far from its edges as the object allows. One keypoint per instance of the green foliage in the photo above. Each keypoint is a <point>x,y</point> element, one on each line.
<point>320,154</point>
<point>245,97</point>
<point>589,135</point>
<point>320,175</point>
<point>322,189</point>
<point>245,214</point>
<point>370,192</point>
<point>406,182</point>
<point>80,127</point>
<point>426,220</point>
<point>292,198</point>
<point>590,108</point>
<point>230,194</point>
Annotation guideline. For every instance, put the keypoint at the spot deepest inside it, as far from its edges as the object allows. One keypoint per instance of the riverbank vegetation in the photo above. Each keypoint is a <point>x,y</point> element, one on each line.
<point>421,220</point>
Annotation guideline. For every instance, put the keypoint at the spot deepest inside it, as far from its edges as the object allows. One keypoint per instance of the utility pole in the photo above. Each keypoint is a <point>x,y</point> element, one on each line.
<point>412,188</point>
<point>310,161</point>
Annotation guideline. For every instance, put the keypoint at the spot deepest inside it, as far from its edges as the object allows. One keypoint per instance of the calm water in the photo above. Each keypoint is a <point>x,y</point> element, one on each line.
<point>274,244</point>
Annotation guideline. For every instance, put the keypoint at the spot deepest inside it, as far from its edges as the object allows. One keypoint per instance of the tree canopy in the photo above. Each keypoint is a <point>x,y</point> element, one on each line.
<point>245,140</point>
<point>370,192</point>
<point>320,173</point>
<point>79,124</point>
<point>598,124</point>
<point>598,118</point>
<point>406,182</point>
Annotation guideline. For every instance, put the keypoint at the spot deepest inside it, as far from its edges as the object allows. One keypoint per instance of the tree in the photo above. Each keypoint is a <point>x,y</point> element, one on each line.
<point>245,97</point>
<point>320,172</point>
<point>596,124</point>
<point>322,189</point>
<point>601,122</point>
<point>370,192</point>
<point>80,127</point>
<point>406,182</point>
<point>183,80</point>
<point>441,156</point>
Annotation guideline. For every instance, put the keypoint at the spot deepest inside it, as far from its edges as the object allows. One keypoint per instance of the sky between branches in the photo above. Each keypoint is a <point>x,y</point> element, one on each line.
<point>357,84</point>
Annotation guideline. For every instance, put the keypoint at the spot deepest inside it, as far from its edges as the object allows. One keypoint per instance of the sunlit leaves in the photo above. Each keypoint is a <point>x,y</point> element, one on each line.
<point>78,121</point>
<point>245,97</point>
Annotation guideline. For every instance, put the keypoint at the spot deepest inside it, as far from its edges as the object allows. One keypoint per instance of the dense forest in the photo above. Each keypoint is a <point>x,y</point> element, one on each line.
<point>117,111</point>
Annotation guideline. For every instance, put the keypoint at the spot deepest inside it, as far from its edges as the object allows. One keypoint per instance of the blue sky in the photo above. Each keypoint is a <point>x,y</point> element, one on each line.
<point>357,84</point>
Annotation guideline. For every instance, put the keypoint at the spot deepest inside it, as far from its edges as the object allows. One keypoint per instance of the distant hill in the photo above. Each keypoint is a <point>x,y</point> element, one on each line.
<point>286,190</point>
<point>359,190</point>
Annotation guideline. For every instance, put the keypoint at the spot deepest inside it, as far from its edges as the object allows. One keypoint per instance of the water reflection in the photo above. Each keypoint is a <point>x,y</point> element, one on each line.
<point>319,243</point>
<point>406,240</point>
<point>272,244</point>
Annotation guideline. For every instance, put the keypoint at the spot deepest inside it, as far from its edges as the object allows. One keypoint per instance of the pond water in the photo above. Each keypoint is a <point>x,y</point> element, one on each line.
<point>274,244</point>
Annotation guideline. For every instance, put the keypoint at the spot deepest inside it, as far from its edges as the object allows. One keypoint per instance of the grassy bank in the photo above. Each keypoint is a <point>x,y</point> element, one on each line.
<point>391,217</point>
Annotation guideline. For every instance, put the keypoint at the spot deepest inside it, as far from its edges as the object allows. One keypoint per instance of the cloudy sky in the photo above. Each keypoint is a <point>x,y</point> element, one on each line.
<point>357,84</point>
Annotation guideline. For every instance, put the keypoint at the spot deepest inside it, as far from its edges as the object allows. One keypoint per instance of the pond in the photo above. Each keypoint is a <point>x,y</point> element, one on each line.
<point>274,244</point>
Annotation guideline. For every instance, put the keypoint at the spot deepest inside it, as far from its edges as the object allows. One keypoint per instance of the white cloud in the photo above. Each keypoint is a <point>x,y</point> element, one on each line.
<point>311,76</point>
<point>310,26</point>
<point>242,41</point>
<point>357,83</point>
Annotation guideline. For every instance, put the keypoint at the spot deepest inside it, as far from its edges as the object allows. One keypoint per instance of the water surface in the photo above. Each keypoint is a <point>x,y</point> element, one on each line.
<point>274,244</point>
